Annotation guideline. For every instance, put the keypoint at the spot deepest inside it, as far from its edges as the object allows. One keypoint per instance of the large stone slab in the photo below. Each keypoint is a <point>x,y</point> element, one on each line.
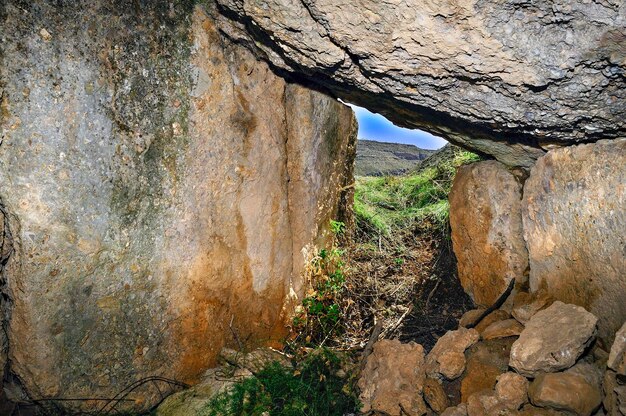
<point>553,339</point>
<point>162,185</point>
<point>478,72</point>
<point>486,221</point>
<point>574,222</point>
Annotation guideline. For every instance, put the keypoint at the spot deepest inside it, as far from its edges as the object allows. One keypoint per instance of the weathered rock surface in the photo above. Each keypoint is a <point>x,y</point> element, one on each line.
<point>574,222</point>
<point>502,329</point>
<point>460,410</point>
<point>512,390</point>
<point>393,379</point>
<point>526,305</point>
<point>553,339</point>
<point>447,357</point>
<point>486,221</point>
<point>435,395</point>
<point>496,316</point>
<point>162,184</point>
<point>576,390</point>
<point>478,72</point>
<point>486,361</point>
<point>617,356</point>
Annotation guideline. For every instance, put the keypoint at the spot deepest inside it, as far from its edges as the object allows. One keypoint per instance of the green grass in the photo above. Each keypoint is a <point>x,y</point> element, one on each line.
<point>383,205</point>
<point>315,389</point>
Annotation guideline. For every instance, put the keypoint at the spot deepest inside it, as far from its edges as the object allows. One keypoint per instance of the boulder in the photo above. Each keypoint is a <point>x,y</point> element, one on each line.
<point>479,73</point>
<point>553,339</point>
<point>574,222</point>
<point>447,358</point>
<point>393,379</point>
<point>617,356</point>
<point>486,221</point>
<point>502,329</point>
<point>577,390</point>
<point>526,305</point>
<point>165,183</point>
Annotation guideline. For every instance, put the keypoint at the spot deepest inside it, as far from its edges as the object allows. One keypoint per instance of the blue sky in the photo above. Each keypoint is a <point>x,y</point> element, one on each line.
<point>376,127</point>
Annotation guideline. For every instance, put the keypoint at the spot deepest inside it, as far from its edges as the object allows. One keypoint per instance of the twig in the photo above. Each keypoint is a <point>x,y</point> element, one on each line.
<point>232,330</point>
<point>430,295</point>
<point>378,328</point>
<point>395,326</point>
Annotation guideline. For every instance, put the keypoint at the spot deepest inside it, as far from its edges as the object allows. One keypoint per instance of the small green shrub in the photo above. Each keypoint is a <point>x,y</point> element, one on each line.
<point>315,389</point>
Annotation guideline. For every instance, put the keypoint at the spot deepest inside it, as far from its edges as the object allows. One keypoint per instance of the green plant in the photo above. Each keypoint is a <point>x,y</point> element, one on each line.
<point>316,388</point>
<point>337,227</point>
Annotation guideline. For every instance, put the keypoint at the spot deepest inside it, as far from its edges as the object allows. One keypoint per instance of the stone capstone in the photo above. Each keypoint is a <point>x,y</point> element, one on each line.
<point>553,339</point>
<point>574,222</point>
<point>486,221</point>
<point>166,185</point>
<point>480,72</point>
<point>393,379</point>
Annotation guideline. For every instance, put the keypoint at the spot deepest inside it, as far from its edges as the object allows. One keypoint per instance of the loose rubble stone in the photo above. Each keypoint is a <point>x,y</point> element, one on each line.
<point>493,317</point>
<point>512,390</point>
<point>460,410</point>
<point>614,395</point>
<point>526,305</point>
<point>576,390</point>
<point>553,339</point>
<point>435,395</point>
<point>469,318</point>
<point>502,329</point>
<point>446,358</point>
<point>393,379</point>
<point>486,221</point>
<point>485,362</point>
<point>574,222</point>
<point>617,356</point>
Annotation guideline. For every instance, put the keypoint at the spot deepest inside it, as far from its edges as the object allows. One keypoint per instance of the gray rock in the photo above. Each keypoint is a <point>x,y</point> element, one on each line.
<point>486,221</point>
<point>553,339</point>
<point>480,73</point>
<point>574,222</point>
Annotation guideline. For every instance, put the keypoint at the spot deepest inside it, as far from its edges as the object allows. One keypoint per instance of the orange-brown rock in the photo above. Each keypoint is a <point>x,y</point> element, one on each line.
<point>502,329</point>
<point>485,215</point>
<point>574,222</point>
<point>486,361</point>
<point>435,395</point>
<point>526,305</point>
<point>447,358</point>
<point>495,316</point>
<point>162,185</point>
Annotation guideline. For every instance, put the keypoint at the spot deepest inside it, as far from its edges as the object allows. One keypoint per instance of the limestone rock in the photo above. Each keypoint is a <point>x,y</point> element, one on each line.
<point>617,356</point>
<point>576,390</point>
<point>254,361</point>
<point>496,316</point>
<point>512,390</point>
<point>393,379</point>
<point>486,221</point>
<point>526,305</point>
<point>480,73</point>
<point>574,222</point>
<point>470,318</point>
<point>486,361</point>
<point>447,357</point>
<point>553,339</point>
<point>614,395</point>
<point>435,395</point>
<point>502,329</point>
<point>165,183</point>
<point>460,410</point>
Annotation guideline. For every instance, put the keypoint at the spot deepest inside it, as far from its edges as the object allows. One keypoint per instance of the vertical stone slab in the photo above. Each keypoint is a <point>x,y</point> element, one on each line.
<point>486,221</point>
<point>575,227</point>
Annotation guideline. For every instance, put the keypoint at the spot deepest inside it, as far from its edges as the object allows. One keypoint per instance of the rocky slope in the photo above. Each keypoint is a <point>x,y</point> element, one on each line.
<point>380,158</point>
<point>159,185</point>
<point>510,79</point>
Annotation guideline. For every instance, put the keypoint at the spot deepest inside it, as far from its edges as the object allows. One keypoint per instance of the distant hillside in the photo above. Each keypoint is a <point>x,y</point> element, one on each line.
<point>379,158</point>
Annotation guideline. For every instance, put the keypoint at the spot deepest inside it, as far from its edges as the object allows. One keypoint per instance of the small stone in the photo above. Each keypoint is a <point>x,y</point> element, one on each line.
<point>493,317</point>
<point>574,390</point>
<point>460,410</point>
<point>530,410</point>
<point>469,318</point>
<point>512,390</point>
<point>503,329</point>
<point>553,339</point>
<point>45,35</point>
<point>393,379</point>
<point>525,306</point>
<point>485,362</point>
<point>446,358</point>
<point>435,395</point>
<point>617,356</point>
<point>483,403</point>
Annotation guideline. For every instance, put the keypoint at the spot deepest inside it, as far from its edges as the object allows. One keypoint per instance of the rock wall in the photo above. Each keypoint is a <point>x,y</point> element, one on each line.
<point>161,184</point>
<point>507,78</point>
<point>572,238</point>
